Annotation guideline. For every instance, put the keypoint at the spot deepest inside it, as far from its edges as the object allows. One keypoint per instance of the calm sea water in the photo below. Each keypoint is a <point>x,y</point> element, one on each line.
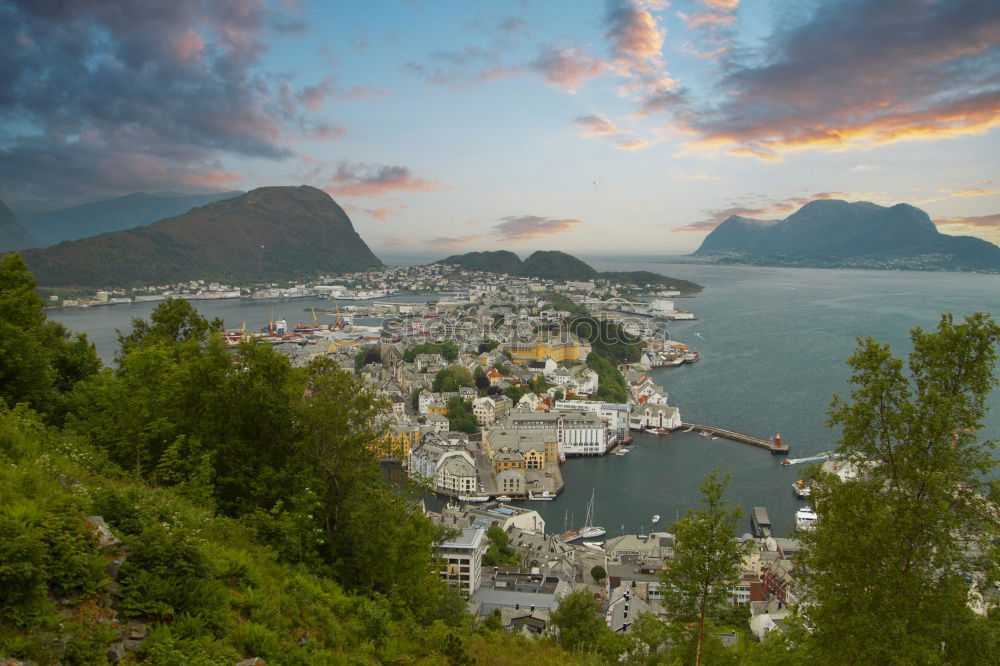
<point>773,343</point>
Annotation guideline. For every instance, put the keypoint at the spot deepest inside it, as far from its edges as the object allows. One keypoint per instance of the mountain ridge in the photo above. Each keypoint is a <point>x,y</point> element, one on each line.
<point>13,235</point>
<point>837,233</point>
<point>283,232</point>
<point>556,265</point>
<point>129,211</point>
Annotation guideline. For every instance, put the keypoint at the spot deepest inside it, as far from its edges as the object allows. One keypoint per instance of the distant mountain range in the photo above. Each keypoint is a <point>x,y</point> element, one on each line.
<point>837,234</point>
<point>53,225</point>
<point>269,233</point>
<point>13,236</point>
<point>559,266</point>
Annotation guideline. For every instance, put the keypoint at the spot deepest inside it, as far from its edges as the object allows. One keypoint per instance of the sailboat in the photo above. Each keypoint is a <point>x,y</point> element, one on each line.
<point>589,530</point>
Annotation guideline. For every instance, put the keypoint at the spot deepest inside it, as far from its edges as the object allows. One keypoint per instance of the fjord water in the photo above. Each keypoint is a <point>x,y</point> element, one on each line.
<point>773,343</point>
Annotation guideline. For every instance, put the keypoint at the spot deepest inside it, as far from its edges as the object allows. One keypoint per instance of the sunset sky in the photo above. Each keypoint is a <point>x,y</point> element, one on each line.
<point>441,127</point>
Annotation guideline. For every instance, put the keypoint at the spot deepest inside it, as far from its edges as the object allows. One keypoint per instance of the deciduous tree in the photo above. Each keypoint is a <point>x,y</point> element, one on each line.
<point>889,565</point>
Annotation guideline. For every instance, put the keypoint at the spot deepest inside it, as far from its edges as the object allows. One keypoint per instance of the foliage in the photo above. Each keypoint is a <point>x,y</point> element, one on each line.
<point>451,378</point>
<point>598,573</point>
<point>488,346</point>
<point>448,349</point>
<point>366,356</point>
<point>707,559</point>
<point>913,440</point>
<point>611,383</point>
<point>39,360</point>
<point>499,554</point>
<point>460,416</point>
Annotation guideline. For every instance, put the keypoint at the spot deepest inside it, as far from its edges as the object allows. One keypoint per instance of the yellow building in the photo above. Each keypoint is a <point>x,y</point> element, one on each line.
<point>396,443</point>
<point>562,347</point>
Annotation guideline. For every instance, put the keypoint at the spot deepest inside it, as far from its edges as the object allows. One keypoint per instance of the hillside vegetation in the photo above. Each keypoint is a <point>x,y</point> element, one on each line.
<point>194,506</point>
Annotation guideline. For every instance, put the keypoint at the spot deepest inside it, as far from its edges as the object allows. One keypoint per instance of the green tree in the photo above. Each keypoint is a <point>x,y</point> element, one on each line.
<point>499,553</point>
<point>888,564</point>
<point>707,559</point>
<point>451,378</point>
<point>598,573</point>
<point>460,416</point>
<point>579,623</point>
<point>39,360</point>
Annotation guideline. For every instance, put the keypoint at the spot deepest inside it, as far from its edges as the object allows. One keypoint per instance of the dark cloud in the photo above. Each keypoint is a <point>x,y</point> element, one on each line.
<point>517,228</point>
<point>128,83</point>
<point>862,72</point>
<point>376,180</point>
<point>633,33</point>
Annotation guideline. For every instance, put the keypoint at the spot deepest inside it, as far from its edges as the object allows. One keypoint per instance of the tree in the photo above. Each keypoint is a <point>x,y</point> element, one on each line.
<point>578,622</point>
<point>598,573</point>
<point>450,378</point>
<point>39,360</point>
<point>707,559</point>
<point>499,553</point>
<point>888,563</point>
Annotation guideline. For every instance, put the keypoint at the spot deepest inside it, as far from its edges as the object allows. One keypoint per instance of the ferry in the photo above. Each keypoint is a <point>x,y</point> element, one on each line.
<point>801,489</point>
<point>544,496</point>
<point>805,519</point>
<point>474,499</point>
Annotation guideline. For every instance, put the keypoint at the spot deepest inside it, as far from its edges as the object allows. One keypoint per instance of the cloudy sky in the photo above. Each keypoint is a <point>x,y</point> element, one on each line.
<point>585,125</point>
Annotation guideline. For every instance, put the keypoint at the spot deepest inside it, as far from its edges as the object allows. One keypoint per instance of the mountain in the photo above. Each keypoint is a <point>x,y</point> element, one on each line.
<point>834,233</point>
<point>270,233</point>
<point>98,217</point>
<point>555,265</point>
<point>500,261</point>
<point>12,235</point>
<point>559,266</point>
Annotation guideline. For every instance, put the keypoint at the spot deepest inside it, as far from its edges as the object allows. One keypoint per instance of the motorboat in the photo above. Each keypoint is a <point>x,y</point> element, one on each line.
<point>503,498</point>
<point>656,518</point>
<point>801,489</point>
<point>805,519</point>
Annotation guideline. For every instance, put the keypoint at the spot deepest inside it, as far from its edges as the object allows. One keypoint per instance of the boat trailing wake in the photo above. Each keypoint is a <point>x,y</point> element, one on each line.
<point>800,461</point>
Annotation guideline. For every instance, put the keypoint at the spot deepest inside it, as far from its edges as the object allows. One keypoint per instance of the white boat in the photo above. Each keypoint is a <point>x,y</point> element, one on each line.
<point>623,452</point>
<point>656,518</point>
<point>503,498</point>
<point>801,489</point>
<point>589,530</point>
<point>594,544</point>
<point>805,519</point>
<point>474,499</point>
<point>544,496</point>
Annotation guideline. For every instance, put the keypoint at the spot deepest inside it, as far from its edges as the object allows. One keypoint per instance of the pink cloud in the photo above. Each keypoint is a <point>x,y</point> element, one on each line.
<point>567,68</point>
<point>367,180</point>
<point>516,228</point>
<point>596,125</point>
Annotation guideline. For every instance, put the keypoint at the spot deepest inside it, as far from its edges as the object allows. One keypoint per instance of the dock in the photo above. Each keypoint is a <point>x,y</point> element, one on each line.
<point>770,445</point>
<point>760,523</point>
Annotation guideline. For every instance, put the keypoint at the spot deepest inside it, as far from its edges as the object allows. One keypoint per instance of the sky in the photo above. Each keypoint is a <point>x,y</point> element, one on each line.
<point>591,126</point>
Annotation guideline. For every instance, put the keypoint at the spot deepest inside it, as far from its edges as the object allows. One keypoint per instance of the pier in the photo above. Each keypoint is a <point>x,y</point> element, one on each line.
<point>770,445</point>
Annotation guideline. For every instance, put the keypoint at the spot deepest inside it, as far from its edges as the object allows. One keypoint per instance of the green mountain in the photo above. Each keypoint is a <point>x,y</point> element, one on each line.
<point>98,217</point>
<point>836,233</point>
<point>555,265</point>
<point>500,261</point>
<point>269,233</point>
<point>13,236</point>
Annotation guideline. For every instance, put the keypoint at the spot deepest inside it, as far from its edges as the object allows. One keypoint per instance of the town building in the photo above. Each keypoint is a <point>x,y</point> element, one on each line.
<point>462,560</point>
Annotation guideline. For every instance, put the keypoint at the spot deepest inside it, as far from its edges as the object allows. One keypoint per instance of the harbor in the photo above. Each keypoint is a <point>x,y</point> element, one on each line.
<point>774,445</point>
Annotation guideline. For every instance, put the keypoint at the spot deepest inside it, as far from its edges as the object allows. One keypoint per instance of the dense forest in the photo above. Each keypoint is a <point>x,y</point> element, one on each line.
<point>193,504</point>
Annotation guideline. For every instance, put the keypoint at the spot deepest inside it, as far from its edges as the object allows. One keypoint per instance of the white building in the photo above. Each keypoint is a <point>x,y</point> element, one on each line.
<point>576,433</point>
<point>463,560</point>
<point>485,410</point>
<point>655,416</point>
<point>614,415</point>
